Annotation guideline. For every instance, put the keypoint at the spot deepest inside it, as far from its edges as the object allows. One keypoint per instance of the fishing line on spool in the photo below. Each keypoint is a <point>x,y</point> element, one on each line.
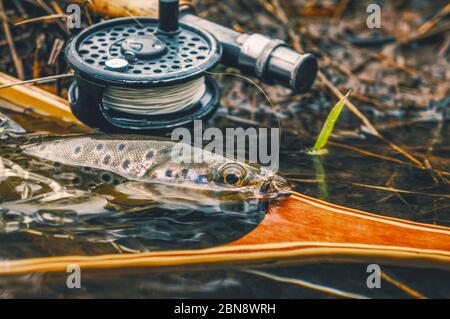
<point>154,101</point>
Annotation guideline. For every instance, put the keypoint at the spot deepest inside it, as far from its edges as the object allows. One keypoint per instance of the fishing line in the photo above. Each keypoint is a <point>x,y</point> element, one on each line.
<point>266,96</point>
<point>154,101</point>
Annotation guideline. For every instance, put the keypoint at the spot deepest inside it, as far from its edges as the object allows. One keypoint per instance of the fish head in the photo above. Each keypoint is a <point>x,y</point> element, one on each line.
<point>223,176</point>
<point>242,176</point>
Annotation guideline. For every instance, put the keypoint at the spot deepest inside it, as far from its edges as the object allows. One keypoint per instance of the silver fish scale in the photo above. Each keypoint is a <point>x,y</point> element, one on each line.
<point>127,158</point>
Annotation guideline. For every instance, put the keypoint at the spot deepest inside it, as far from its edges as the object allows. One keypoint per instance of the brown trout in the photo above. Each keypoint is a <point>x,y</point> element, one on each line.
<point>162,162</point>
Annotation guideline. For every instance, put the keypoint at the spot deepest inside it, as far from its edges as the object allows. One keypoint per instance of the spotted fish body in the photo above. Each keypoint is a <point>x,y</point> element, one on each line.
<point>151,160</point>
<point>129,159</point>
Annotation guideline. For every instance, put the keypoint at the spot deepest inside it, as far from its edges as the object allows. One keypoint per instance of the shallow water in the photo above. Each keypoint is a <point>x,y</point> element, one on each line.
<point>94,226</point>
<point>99,206</point>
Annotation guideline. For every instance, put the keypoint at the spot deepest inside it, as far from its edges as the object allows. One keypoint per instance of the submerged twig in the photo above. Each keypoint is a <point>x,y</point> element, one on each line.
<point>401,191</point>
<point>381,188</point>
<point>388,158</point>
<point>413,293</point>
<point>367,153</point>
<point>402,151</point>
<point>306,284</point>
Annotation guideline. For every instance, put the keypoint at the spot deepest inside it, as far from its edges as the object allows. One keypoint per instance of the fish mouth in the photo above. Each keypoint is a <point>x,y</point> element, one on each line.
<point>276,186</point>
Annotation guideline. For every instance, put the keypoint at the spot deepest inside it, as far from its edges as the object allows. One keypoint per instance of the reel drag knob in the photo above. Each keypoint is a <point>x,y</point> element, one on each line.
<point>144,47</point>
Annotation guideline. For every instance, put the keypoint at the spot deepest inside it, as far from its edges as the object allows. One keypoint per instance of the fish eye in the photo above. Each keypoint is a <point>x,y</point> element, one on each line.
<point>233,174</point>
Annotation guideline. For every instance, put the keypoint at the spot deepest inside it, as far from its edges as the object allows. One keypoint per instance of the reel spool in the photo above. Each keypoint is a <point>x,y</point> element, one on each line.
<point>143,74</point>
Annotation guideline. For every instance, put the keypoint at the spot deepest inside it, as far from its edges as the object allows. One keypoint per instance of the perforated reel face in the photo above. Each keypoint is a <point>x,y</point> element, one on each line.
<point>182,55</point>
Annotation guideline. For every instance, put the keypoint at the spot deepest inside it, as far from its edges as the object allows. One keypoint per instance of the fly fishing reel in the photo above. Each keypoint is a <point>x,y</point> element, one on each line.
<point>151,75</point>
<point>143,74</point>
